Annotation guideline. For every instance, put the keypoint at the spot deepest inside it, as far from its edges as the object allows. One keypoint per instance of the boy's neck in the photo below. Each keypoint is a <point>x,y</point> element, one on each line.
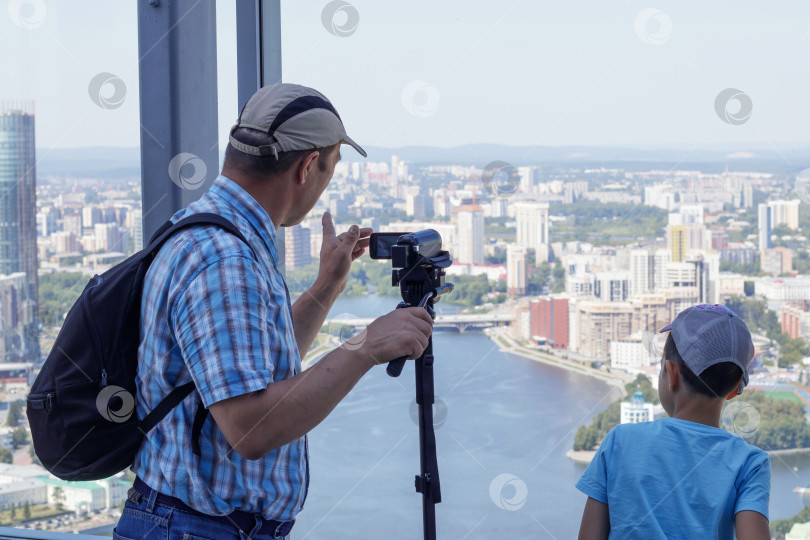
<point>699,410</point>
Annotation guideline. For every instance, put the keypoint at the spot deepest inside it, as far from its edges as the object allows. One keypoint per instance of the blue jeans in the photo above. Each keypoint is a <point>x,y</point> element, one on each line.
<point>150,520</point>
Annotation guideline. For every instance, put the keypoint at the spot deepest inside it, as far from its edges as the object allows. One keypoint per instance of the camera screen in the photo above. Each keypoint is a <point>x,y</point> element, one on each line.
<point>380,244</point>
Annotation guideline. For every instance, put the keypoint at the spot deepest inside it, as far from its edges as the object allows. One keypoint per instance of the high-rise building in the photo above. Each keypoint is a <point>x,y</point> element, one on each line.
<point>135,223</point>
<point>776,261</point>
<point>18,225</point>
<point>532,228</point>
<point>764,223</point>
<point>677,242</point>
<point>686,231</point>
<point>517,262</point>
<point>65,242</point>
<point>46,221</point>
<point>73,223</point>
<point>415,205</point>
<point>796,319</point>
<point>549,320</point>
<point>471,234</point>
<point>528,178</point>
<point>785,213</point>
<point>91,215</point>
<point>748,195</point>
<point>297,251</point>
<point>611,286</point>
<point>642,271</point>
<point>111,238</point>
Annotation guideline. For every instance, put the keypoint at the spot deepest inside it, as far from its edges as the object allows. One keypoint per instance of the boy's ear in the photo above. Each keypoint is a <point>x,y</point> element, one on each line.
<point>673,374</point>
<point>734,392</point>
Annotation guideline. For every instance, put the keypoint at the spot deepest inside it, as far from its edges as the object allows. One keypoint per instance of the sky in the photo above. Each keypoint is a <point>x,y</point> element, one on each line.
<point>525,72</point>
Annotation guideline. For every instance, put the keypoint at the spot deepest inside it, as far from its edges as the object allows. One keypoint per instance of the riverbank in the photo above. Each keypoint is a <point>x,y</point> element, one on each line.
<point>581,456</point>
<point>507,344</point>
<point>787,451</point>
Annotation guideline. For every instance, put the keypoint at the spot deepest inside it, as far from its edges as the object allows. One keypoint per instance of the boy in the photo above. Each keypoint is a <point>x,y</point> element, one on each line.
<point>683,476</point>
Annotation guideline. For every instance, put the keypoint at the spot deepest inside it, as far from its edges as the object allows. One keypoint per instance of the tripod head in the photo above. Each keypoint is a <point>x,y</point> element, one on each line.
<point>418,270</point>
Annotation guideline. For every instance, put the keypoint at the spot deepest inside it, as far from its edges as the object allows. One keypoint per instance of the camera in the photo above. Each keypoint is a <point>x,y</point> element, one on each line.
<point>421,248</point>
<point>419,264</point>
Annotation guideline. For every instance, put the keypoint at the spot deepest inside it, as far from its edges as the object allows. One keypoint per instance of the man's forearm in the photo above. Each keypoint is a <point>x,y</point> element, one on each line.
<point>309,312</point>
<point>286,410</point>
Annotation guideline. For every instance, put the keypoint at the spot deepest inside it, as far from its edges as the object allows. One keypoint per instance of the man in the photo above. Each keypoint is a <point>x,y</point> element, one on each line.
<point>217,311</point>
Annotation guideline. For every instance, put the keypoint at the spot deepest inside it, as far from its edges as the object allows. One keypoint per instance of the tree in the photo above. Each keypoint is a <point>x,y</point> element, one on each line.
<point>59,497</point>
<point>27,511</point>
<point>792,352</point>
<point>19,437</point>
<point>14,413</point>
<point>5,455</point>
<point>13,513</point>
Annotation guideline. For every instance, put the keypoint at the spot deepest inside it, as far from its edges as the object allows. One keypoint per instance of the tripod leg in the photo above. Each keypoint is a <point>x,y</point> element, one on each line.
<point>427,483</point>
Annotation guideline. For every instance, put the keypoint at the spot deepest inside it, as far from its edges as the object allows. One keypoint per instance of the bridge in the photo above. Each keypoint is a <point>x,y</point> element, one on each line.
<point>461,322</point>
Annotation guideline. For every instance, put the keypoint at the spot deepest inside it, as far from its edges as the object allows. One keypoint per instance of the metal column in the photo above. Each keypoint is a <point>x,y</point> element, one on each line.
<point>258,53</point>
<point>177,48</point>
<point>258,45</point>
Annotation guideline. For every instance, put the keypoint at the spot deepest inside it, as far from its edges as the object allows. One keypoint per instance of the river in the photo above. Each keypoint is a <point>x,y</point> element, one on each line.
<point>501,448</point>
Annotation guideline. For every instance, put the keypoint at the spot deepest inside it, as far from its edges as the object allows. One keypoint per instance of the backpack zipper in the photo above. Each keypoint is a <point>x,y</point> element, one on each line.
<point>94,334</point>
<point>41,401</point>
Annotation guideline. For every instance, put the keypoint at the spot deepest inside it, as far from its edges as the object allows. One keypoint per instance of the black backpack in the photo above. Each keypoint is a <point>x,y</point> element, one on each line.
<point>81,408</point>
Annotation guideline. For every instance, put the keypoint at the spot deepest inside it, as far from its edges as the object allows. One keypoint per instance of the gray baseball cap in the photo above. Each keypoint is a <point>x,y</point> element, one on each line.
<point>708,334</point>
<point>296,117</point>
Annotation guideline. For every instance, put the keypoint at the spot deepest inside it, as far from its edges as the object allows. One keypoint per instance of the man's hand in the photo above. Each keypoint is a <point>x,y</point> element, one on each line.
<point>403,332</point>
<point>338,252</point>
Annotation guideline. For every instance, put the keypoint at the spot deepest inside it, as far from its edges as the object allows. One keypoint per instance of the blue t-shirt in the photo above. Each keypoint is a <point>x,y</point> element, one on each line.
<point>673,478</point>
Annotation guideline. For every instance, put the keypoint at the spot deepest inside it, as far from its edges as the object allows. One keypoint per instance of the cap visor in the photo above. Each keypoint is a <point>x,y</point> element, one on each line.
<point>666,328</point>
<point>348,140</point>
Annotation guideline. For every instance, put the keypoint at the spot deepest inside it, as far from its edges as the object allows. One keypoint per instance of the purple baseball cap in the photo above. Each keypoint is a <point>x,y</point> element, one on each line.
<point>708,334</point>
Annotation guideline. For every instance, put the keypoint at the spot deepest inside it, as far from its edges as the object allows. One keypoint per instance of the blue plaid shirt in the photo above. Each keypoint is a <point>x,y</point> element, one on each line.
<point>217,313</point>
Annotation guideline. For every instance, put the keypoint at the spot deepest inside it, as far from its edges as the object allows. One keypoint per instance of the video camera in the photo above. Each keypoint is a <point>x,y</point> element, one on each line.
<point>418,269</point>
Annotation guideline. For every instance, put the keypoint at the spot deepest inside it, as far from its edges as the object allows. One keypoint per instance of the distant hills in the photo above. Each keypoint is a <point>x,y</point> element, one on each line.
<point>116,162</point>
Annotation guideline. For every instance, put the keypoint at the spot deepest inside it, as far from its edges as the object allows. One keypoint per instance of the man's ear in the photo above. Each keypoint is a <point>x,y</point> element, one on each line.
<point>673,374</point>
<point>734,392</point>
<point>306,166</point>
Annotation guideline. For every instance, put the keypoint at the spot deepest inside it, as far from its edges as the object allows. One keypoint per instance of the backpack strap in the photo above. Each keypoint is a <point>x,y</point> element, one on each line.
<point>166,405</point>
<point>205,218</point>
<point>196,428</point>
<point>181,392</point>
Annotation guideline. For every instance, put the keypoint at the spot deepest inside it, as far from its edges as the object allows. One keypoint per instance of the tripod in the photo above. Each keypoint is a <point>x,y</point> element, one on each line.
<point>427,482</point>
